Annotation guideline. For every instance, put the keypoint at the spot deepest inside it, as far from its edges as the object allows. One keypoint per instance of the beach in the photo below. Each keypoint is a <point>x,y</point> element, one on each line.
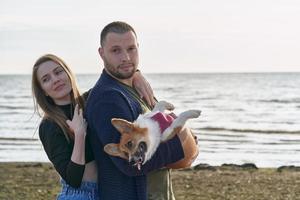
<point>202,182</point>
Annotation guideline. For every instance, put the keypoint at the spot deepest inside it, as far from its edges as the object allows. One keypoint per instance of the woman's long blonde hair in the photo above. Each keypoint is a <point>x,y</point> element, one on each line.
<point>49,108</point>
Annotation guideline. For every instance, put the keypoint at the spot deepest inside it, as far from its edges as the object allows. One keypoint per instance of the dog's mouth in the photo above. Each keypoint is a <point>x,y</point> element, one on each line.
<point>139,163</point>
<point>139,156</point>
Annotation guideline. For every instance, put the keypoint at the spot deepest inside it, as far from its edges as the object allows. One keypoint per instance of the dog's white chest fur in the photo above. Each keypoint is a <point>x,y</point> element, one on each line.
<point>154,132</point>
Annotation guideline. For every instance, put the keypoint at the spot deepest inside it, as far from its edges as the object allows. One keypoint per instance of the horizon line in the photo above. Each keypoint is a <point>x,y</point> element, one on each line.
<point>221,72</point>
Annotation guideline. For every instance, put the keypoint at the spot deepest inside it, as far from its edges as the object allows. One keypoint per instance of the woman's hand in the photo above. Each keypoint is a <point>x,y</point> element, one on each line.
<point>78,124</point>
<point>143,87</point>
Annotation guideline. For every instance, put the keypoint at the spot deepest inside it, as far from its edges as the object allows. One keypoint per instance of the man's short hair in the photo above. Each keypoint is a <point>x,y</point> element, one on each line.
<point>115,27</point>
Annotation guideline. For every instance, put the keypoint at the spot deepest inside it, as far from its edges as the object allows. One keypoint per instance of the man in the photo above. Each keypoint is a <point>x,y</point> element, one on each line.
<point>114,97</point>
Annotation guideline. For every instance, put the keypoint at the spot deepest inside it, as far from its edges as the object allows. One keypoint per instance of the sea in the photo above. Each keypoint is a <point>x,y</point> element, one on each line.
<point>246,117</point>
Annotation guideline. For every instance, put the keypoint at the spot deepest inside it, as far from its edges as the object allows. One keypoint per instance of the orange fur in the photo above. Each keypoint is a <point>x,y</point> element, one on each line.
<point>190,149</point>
<point>135,136</point>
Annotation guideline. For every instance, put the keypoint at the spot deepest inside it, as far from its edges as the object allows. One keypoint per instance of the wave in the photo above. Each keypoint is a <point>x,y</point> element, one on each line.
<point>15,107</point>
<point>208,128</point>
<point>16,96</point>
<point>18,139</point>
<point>3,145</point>
<point>283,101</point>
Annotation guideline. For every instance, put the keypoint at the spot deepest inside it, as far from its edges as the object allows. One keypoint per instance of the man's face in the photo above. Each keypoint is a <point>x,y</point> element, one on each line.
<point>120,54</point>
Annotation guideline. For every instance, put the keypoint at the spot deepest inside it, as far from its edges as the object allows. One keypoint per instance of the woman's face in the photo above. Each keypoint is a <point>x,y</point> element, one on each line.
<point>55,82</point>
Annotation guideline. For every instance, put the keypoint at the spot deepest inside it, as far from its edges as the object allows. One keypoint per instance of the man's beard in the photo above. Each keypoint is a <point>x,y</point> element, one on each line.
<point>114,71</point>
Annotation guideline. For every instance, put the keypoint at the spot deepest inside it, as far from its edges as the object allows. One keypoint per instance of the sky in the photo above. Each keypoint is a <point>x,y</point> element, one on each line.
<point>190,36</point>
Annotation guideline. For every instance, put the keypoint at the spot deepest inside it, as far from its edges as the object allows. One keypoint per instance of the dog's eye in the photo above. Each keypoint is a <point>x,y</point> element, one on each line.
<point>129,145</point>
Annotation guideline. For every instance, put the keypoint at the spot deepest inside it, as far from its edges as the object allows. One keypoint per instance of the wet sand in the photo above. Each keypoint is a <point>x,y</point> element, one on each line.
<point>203,182</point>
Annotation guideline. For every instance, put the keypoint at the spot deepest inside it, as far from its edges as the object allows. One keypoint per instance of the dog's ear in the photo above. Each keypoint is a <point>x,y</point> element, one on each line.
<point>122,125</point>
<point>114,150</point>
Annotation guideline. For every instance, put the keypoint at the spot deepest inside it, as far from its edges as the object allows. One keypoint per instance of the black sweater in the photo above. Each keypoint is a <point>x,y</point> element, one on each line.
<point>59,150</point>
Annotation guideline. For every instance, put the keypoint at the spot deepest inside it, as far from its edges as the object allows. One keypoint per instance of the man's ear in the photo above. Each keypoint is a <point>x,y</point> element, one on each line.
<point>114,150</point>
<point>122,125</point>
<point>100,51</point>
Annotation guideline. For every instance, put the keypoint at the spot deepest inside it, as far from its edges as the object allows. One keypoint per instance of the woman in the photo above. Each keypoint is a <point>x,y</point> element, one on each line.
<point>63,128</point>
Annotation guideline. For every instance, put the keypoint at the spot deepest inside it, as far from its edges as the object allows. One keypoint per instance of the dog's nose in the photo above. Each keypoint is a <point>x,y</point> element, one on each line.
<point>140,159</point>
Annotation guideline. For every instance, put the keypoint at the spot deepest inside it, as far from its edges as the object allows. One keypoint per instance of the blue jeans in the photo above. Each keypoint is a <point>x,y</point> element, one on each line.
<point>86,191</point>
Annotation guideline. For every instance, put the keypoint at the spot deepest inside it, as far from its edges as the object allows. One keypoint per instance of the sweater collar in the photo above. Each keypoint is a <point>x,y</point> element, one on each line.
<point>107,77</point>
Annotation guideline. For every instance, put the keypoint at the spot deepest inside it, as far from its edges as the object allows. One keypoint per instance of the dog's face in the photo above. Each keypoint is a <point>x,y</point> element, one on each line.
<point>133,144</point>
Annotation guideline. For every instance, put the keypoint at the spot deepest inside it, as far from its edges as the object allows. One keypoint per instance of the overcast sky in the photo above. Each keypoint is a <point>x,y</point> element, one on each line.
<point>174,36</point>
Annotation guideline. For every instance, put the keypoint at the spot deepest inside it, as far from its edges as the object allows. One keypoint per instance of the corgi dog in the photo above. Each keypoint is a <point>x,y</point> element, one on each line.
<point>140,139</point>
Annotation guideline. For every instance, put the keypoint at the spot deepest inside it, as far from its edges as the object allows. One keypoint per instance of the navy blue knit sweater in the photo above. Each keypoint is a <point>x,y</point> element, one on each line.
<point>117,178</point>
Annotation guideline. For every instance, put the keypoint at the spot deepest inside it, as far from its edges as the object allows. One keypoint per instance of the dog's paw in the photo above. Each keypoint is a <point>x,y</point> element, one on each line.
<point>192,113</point>
<point>164,105</point>
<point>169,106</point>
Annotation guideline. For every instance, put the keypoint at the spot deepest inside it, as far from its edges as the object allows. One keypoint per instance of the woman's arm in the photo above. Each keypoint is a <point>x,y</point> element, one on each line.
<point>69,162</point>
<point>143,87</point>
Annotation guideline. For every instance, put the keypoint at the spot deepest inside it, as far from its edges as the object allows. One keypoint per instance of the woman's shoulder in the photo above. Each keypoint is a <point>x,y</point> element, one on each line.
<point>45,123</point>
<point>48,127</point>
